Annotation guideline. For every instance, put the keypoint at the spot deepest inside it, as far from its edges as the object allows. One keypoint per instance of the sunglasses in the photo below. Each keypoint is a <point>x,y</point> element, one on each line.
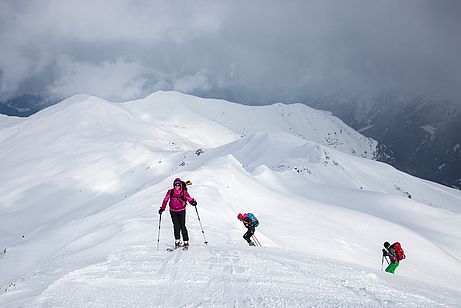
<point>177,184</point>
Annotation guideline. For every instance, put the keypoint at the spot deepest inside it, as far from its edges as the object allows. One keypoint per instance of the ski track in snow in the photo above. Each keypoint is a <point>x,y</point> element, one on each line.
<point>213,276</point>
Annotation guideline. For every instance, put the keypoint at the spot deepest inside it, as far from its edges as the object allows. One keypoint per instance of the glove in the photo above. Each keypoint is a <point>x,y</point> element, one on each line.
<point>194,203</point>
<point>384,252</point>
<point>160,211</point>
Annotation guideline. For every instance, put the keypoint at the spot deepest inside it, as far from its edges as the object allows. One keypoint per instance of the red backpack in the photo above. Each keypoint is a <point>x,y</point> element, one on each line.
<point>399,251</point>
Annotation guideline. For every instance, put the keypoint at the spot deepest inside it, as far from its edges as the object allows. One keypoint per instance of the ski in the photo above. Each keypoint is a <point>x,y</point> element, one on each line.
<point>174,248</point>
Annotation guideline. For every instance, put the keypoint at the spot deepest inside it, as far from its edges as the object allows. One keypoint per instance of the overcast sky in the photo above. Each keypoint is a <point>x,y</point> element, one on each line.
<point>246,51</point>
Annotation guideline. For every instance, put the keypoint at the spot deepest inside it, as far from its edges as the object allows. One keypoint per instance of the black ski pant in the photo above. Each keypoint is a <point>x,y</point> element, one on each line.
<point>179,225</point>
<point>247,236</point>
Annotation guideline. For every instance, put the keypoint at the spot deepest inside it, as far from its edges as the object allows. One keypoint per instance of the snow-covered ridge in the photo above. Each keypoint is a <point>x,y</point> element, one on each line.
<point>82,181</point>
<point>296,119</point>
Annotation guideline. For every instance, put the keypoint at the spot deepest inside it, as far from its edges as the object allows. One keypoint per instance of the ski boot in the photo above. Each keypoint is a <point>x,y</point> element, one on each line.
<point>251,243</point>
<point>186,246</point>
<point>177,244</point>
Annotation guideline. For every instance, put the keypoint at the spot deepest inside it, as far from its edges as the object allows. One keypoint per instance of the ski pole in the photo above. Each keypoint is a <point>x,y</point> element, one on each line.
<point>382,262</point>
<point>256,241</point>
<point>158,237</point>
<point>201,225</point>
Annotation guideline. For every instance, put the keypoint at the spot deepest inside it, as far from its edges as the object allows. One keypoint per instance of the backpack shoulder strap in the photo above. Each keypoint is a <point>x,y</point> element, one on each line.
<point>182,193</point>
<point>184,188</point>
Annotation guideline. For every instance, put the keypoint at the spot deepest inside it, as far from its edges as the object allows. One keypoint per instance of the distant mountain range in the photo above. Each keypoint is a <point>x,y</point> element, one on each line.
<point>417,135</point>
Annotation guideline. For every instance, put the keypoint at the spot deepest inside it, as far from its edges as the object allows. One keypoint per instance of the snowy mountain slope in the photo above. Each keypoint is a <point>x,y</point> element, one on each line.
<point>234,276</point>
<point>6,121</point>
<point>327,199</point>
<point>186,111</point>
<point>79,120</point>
<point>82,181</point>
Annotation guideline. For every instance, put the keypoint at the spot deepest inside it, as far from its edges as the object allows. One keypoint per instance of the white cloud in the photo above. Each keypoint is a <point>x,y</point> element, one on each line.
<point>114,80</point>
<point>37,35</point>
<point>257,49</point>
<point>191,83</point>
<point>123,20</point>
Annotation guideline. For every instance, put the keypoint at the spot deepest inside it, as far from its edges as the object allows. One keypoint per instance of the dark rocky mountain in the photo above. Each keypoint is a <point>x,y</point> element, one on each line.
<point>417,135</point>
<point>24,105</point>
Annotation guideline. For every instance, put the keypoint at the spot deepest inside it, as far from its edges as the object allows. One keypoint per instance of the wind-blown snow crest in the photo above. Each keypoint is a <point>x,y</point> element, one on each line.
<point>82,182</point>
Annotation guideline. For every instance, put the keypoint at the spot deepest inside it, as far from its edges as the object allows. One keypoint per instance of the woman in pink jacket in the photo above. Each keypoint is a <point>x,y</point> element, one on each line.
<point>178,197</point>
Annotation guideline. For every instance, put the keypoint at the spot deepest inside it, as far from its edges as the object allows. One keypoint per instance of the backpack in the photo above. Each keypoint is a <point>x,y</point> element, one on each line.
<point>254,222</point>
<point>399,253</point>
<point>184,188</point>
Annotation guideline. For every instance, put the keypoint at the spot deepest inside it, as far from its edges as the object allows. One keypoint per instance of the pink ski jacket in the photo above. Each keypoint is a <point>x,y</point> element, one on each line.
<point>177,204</point>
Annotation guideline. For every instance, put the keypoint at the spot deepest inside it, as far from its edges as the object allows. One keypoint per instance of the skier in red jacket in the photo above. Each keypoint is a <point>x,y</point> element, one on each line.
<point>250,222</point>
<point>395,253</point>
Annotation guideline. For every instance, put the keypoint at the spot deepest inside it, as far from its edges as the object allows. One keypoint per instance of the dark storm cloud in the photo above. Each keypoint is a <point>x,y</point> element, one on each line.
<point>251,51</point>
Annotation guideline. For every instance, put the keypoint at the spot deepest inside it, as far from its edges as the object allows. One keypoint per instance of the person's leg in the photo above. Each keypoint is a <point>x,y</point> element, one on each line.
<point>182,223</point>
<point>176,225</point>
<point>252,232</point>
<point>391,268</point>
<point>247,236</point>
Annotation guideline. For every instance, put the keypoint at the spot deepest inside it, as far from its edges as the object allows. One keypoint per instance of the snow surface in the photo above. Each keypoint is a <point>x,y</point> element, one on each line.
<point>7,121</point>
<point>82,182</point>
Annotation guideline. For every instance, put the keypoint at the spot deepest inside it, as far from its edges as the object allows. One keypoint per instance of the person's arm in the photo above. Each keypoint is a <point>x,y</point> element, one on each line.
<point>165,200</point>
<point>189,199</point>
